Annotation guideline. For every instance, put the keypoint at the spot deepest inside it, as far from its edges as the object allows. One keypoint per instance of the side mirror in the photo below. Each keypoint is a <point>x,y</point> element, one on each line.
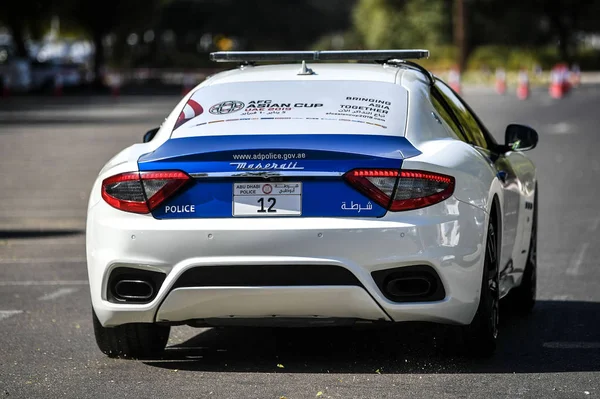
<point>149,135</point>
<point>520,137</point>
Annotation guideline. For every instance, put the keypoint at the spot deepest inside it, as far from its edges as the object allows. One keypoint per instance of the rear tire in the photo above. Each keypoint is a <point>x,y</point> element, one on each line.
<point>133,340</point>
<point>478,339</point>
<point>481,335</point>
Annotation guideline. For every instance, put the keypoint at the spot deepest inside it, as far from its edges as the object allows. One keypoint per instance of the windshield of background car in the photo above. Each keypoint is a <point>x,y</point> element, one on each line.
<point>295,107</point>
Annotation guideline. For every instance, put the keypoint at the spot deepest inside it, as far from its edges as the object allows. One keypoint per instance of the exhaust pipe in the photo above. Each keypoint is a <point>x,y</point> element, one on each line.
<point>414,283</point>
<point>133,290</point>
<point>408,287</point>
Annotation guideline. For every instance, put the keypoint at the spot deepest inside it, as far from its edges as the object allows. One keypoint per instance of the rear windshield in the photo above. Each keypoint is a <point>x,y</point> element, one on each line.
<point>295,107</point>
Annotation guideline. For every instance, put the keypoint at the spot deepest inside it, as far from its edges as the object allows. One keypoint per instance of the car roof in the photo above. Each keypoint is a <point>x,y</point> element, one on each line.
<point>322,71</point>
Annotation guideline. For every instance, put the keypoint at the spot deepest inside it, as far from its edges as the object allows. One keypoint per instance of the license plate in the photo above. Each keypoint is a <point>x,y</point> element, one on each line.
<point>267,199</point>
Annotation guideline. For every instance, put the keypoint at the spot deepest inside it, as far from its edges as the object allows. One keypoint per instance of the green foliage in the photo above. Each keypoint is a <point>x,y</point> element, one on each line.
<point>512,34</point>
<point>426,21</point>
<point>588,59</point>
<point>441,58</point>
<point>374,22</point>
<point>382,24</point>
<point>349,40</point>
<point>512,58</point>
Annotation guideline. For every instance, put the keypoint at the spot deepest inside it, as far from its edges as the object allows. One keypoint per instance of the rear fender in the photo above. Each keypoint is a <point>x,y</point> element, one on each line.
<point>476,179</point>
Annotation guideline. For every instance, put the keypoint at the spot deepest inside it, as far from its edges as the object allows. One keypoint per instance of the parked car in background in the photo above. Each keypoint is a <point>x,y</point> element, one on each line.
<point>49,63</point>
<point>15,72</point>
<point>46,75</point>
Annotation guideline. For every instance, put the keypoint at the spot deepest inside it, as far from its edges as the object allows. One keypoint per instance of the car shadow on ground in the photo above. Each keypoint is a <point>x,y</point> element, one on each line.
<point>559,336</point>
<point>38,233</point>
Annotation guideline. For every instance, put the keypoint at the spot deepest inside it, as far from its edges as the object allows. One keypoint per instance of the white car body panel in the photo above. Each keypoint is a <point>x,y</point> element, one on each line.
<point>448,236</point>
<point>264,302</point>
<point>326,72</point>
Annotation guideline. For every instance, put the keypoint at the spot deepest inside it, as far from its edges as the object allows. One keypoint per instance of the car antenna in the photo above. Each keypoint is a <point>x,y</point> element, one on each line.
<point>304,70</point>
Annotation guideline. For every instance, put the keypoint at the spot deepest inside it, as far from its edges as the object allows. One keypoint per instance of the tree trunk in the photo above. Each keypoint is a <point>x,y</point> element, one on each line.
<point>563,47</point>
<point>99,59</point>
<point>564,37</point>
<point>563,44</point>
<point>460,33</point>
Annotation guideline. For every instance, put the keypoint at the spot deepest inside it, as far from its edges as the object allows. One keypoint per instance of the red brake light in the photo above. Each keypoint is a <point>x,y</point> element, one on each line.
<point>141,192</point>
<point>415,189</point>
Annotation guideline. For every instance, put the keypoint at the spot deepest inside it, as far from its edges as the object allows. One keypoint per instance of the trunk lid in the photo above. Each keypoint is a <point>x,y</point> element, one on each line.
<point>274,175</point>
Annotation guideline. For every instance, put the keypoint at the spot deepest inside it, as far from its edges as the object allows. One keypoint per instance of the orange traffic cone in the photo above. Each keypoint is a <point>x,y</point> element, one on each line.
<point>566,77</point>
<point>523,86</point>
<point>557,88</point>
<point>454,80</point>
<point>500,81</point>
<point>58,85</point>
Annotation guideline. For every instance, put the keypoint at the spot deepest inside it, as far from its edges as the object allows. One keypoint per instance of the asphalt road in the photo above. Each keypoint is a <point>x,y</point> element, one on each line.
<point>51,150</point>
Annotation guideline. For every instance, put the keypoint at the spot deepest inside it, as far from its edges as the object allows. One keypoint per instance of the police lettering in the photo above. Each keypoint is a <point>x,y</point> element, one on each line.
<point>180,209</point>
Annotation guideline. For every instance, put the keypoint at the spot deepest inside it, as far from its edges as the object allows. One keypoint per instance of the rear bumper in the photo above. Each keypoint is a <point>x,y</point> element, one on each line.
<point>267,302</point>
<point>448,236</point>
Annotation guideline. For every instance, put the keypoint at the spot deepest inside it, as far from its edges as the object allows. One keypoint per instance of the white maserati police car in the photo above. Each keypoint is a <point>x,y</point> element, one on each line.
<point>321,194</point>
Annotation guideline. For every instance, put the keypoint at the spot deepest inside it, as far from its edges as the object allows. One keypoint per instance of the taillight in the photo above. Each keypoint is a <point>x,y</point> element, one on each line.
<point>141,192</point>
<point>415,189</point>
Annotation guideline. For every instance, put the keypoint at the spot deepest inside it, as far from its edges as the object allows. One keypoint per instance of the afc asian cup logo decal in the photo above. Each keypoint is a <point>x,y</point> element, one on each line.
<point>267,189</point>
<point>226,107</point>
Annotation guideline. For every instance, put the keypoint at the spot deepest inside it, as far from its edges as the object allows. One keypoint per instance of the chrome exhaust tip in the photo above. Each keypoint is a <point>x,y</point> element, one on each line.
<point>133,290</point>
<point>405,287</point>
